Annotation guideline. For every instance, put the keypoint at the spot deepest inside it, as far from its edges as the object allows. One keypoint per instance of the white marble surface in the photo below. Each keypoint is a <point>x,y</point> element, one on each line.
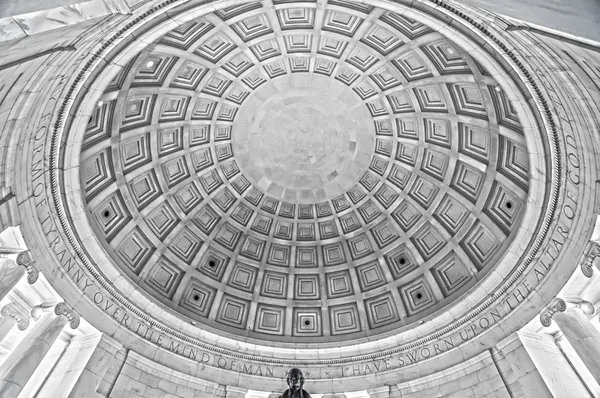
<point>16,371</point>
<point>18,22</point>
<point>10,29</point>
<point>10,274</point>
<point>464,384</point>
<point>583,336</point>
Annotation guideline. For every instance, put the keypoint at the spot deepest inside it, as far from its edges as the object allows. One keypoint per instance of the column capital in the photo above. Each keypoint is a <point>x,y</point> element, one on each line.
<point>592,251</point>
<point>66,310</point>
<point>18,313</point>
<point>24,259</point>
<point>561,305</point>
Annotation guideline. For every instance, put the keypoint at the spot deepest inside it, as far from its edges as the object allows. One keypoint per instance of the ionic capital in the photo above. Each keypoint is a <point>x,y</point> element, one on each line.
<point>66,310</point>
<point>24,259</point>
<point>592,251</point>
<point>18,313</point>
<point>561,305</point>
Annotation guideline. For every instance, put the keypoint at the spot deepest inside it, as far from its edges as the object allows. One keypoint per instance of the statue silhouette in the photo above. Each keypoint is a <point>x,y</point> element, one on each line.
<point>295,382</point>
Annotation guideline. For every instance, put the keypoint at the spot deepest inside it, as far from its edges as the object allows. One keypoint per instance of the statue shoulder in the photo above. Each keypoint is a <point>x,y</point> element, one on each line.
<point>305,394</point>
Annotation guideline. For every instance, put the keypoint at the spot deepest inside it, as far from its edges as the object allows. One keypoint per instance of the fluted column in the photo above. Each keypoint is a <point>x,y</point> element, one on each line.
<point>22,362</point>
<point>11,271</point>
<point>12,313</point>
<point>95,369</point>
<point>569,315</point>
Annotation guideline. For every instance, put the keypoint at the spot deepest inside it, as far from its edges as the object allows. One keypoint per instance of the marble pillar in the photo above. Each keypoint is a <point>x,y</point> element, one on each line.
<point>520,374</point>
<point>6,325</point>
<point>22,362</point>
<point>569,315</point>
<point>11,272</point>
<point>95,369</point>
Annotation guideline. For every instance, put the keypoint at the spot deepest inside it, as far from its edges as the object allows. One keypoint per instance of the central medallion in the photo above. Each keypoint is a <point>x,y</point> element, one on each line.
<point>304,138</point>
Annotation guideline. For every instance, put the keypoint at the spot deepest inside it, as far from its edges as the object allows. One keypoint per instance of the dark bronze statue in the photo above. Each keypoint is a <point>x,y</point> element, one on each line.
<point>295,381</point>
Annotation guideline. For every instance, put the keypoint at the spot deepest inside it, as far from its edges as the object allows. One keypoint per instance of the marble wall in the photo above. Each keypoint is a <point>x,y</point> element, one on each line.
<point>139,377</point>
<point>20,19</point>
<point>477,377</point>
<point>8,8</point>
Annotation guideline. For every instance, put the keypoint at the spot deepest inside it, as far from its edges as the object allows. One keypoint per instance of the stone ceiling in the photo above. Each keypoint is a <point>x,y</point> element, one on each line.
<point>322,172</point>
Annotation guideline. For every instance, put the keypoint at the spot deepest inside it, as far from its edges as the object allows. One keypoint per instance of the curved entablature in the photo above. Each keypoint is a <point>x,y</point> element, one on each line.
<point>240,186</point>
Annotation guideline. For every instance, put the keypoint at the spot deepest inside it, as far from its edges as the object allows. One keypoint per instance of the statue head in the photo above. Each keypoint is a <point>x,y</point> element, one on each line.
<point>295,379</point>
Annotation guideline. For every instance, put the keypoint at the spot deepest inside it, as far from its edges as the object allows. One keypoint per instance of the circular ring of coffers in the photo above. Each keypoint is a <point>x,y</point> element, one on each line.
<point>451,159</point>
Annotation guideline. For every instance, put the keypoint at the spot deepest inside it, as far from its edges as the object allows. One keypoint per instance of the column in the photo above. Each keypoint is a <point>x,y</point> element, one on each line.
<point>577,365</point>
<point>569,315</point>
<point>12,313</point>
<point>381,392</point>
<point>95,369</point>
<point>559,376</point>
<point>6,325</point>
<point>520,374</point>
<point>11,272</point>
<point>22,362</point>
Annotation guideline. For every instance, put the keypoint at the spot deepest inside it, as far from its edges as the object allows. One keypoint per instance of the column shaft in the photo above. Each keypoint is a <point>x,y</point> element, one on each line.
<point>583,337</point>
<point>6,325</point>
<point>521,375</point>
<point>95,369</point>
<point>10,274</point>
<point>22,362</point>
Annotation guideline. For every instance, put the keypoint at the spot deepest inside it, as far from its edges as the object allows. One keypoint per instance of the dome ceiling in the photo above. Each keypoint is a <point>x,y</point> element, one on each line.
<point>326,173</point>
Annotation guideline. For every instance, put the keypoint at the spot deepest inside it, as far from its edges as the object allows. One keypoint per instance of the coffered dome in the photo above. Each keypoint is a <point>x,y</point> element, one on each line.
<point>324,173</point>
